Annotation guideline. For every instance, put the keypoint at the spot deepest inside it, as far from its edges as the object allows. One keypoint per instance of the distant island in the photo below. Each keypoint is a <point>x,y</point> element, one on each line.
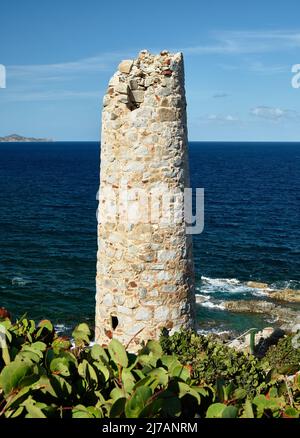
<point>18,138</point>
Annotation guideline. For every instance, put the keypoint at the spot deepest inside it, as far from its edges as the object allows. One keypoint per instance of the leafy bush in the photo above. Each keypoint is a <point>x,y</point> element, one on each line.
<point>211,361</point>
<point>43,375</point>
<point>284,358</point>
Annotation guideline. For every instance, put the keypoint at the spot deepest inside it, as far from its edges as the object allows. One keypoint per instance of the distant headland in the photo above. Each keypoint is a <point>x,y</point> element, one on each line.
<point>18,138</point>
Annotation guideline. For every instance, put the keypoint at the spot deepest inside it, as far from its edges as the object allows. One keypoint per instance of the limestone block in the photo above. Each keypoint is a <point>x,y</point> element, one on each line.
<point>143,314</point>
<point>166,114</point>
<point>161,313</point>
<point>125,66</point>
<point>138,95</point>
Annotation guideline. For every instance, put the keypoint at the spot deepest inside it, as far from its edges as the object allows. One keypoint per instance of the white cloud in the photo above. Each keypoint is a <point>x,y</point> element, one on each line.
<point>219,118</point>
<point>55,95</point>
<point>220,95</point>
<point>273,113</point>
<point>96,63</point>
<point>259,67</point>
<point>247,42</point>
<point>41,82</point>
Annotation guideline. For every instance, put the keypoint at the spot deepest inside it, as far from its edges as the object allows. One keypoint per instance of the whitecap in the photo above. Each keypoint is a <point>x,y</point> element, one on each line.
<point>215,331</point>
<point>19,281</point>
<point>220,282</point>
<point>229,285</point>
<point>211,305</point>
<point>61,328</point>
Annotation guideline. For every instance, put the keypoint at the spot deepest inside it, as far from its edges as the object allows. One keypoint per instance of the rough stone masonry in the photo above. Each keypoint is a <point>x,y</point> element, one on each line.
<point>145,275</point>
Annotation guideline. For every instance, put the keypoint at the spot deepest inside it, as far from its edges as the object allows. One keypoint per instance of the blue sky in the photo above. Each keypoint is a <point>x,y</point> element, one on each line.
<point>59,56</point>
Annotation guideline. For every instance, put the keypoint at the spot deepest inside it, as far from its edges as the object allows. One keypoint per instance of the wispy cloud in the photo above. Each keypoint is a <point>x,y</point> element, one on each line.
<point>98,63</point>
<point>41,81</point>
<point>273,113</point>
<point>59,81</point>
<point>54,95</point>
<point>219,118</point>
<point>268,69</point>
<point>247,42</point>
<point>220,95</point>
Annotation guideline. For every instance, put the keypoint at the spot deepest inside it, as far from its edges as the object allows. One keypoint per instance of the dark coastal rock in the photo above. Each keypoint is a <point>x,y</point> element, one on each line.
<point>285,316</point>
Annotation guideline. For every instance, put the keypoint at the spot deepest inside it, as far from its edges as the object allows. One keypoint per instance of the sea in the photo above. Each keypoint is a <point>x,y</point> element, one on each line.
<point>48,238</point>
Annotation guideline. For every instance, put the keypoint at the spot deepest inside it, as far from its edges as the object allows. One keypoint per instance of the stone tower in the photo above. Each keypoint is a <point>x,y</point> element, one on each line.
<point>145,277</point>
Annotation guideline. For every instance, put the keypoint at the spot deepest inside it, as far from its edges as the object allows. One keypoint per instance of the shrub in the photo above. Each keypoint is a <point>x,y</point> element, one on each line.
<point>211,361</point>
<point>284,358</point>
<point>185,375</point>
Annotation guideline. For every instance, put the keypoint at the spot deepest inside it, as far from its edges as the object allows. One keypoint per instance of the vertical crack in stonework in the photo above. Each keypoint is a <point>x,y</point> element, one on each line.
<point>145,275</point>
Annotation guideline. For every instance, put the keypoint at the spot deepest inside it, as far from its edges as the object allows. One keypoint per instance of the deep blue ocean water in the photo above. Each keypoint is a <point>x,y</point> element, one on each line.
<point>48,228</point>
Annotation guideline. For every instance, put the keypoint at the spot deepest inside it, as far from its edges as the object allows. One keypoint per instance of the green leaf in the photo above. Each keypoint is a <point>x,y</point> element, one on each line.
<point>118,353</point>
<point>160,374</point>
<point>239,394</point>
<point>127,380</point>
<point>180,372</point>
<point>81,334</point>
<point>248,410</point>
<point>61,343</point>
<point>12,375</point>
<point>230,412</point>
<point>117,408</point>
<point>202,391</point>
<point>34,409</point>
<point>60,366</point>
<point>98,353</point>
<point>147,360</point>
<point>81,411</point>
<point>152,409</point>
<point>18,398</point>
<point>170,362</point>
<point>215,410</point>
<point>291,413</point>
<point>154,347</point>
<point>40,346</point>
<point>103,370</point>
<point>45,330</point>
<point>88,372</point>
<point>60,386</point>
<point>185,389</point>
<point>117,393</point>
<point>137,402</point>
<point>16,413</point>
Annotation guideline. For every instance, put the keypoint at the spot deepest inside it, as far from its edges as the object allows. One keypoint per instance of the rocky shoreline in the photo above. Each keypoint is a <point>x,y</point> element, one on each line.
<point>287,295</point>
<point>287,318</point>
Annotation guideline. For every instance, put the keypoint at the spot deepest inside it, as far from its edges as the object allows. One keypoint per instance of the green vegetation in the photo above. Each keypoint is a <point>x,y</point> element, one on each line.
<point>184,375</point>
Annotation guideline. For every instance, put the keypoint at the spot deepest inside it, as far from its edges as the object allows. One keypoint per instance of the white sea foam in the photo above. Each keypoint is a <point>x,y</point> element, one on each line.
<point>229,285</point>
<point>205,301</point>
<point>19,281</point>
<point>211,305</point>
<point>61,328</point>
<point>215,331</point>
<point>220,282</point>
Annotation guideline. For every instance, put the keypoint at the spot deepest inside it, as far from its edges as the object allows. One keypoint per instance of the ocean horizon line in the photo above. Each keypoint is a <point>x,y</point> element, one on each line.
<point>189,141</point>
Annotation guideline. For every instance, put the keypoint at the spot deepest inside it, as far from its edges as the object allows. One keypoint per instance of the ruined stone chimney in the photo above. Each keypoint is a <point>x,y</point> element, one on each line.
<point>145,277</point>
